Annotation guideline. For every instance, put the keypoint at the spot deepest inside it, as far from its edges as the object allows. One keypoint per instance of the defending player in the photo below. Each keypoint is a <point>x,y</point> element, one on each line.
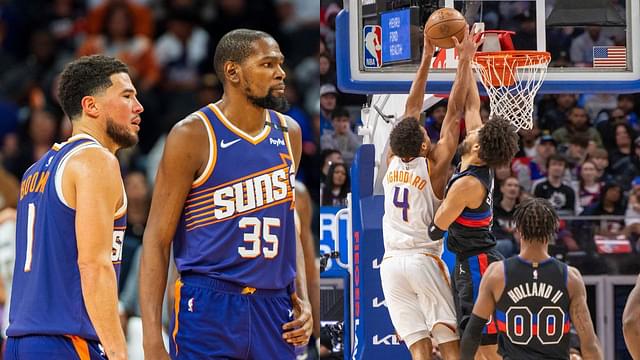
<point>534,296</point>
<point>71,222</point>
<point>631,324</point>
<point>414,278</point>
<point>467,212</point>
<point>224,198</point>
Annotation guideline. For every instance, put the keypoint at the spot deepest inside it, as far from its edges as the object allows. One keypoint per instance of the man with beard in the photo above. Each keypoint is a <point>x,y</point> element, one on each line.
<point>224,198</point>
<point>70,223</point>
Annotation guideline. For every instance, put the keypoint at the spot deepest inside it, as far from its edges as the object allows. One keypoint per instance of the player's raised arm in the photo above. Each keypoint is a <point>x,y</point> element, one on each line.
<point>298,331</point>
<point>94,174</point>
<point>483,309</point>
<point>580,317</point>
<point>181,160</point>
<point>454,203</point>
<point>413,106</point>
<point>472,119</point>
<point>631,325</point>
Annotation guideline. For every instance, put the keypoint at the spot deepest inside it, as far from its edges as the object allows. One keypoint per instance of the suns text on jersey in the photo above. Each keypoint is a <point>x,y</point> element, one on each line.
<point>34,183</point>
<point>407,177</point>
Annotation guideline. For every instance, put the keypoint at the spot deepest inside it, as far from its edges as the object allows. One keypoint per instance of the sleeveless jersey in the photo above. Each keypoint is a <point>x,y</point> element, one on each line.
<point>237,224</point>
<point>471,233</point>
<point>46,297</point>
<point>533,311</point>
<point>409,207</point>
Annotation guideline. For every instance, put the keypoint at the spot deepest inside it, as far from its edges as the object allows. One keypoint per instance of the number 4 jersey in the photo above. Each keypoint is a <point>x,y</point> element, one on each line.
<point>237,224</point>
<point>409,207</point>
<point>533,310</point>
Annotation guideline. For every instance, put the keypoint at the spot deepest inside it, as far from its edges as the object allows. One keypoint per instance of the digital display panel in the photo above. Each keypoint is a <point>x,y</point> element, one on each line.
<point>396,36</point>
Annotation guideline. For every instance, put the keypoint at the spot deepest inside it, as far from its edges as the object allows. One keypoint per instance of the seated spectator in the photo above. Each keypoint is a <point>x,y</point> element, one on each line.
<point>527,169</point>
<point>328,97</point>
<point>628,167</point>
<point>329,157</point>
<point>606,125</point>
<point>578,123</point>
<point>508,241</point>
<point>341,138</point>
<point>582,46</point>
<point>143,15</point>
<point>624,137</point>
<point>611,202</point>
<point>561,196</point>
<point>600,158</point>
<point>555,116</point>
<point>576,153</point>
<point>632,215</point>
<point>336,186</point>
<point>588,185</point>
<point>528,142</point>
<point>626,104</point>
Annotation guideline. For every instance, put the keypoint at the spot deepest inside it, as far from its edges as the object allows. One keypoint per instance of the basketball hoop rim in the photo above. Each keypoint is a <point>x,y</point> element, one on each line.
<point>512,58</point>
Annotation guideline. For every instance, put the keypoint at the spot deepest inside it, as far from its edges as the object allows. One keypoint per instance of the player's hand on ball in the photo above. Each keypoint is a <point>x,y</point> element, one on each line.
<point>428,47</point>
<point>298,331</point>
<point>468,46</point>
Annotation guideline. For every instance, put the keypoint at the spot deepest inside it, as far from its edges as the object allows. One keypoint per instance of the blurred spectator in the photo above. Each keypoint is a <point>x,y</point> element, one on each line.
<point>341,137</point>
<point>582,46</point>
<point>606,127</point>
<point>588,184</point>
<point>561,196</point>
<point>555,116</point>
<point>597,104</point>
<point>632,214</point>
<point>527,169</point>
<point>433,122</point>
<point>578,123</point>
<point>142,26</point>
<point>528,143</point>
<point>336,186</point>
<point>327,68</point>
<point>504,227</point>
<point>526,37</point>
<point>328,99</point>
<point>623,146</point>
<point>9,189</point>
<point>329,157</point>
<point>577,152</point>
<point>626,104</point>
<point>611,202</point>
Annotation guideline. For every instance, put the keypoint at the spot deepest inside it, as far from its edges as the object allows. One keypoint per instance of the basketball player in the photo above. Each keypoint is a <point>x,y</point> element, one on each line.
<point>415,281</point>
<point>71,222</point>
<point>533,295</point>
<point>467,212</point>
<point>631,325</point>
<point>224,198</point>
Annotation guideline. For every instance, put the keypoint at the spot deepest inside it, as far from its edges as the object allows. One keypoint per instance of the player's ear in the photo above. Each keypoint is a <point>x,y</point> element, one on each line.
<point>231,71</point>
<point>89,106</point>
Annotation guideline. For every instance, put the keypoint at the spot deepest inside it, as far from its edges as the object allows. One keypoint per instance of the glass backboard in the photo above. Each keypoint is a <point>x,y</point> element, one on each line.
<point>594,44</point>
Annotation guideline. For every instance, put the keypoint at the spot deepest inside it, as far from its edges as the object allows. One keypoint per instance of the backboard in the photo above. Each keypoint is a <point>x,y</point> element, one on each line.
<point>595,44</point>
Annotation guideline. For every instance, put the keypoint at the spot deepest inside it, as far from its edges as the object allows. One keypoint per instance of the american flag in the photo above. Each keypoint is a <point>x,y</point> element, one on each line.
<point>610,56</point>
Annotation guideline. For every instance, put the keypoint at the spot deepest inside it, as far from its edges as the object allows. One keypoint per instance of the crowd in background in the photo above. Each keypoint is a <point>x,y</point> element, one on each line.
<point>168,46</point>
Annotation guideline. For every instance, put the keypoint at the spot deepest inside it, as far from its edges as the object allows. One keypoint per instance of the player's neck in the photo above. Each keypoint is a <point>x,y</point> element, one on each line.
<point>91,129</point>
<point>468,160</point>
<point>533,252</point>
<point>242,113</point>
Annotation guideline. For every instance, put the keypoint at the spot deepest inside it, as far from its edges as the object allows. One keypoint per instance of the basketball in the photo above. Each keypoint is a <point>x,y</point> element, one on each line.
<point>443,24</point>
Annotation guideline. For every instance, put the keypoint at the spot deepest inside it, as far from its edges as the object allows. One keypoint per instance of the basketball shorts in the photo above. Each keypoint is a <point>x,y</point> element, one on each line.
<point>52,347</point>
<point>215,319</point>
<point>418,295</point>
<point>466,283</point>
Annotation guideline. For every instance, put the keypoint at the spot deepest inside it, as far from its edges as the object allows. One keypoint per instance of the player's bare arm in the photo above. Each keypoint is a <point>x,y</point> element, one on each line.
<point>312,266</point>
<point>299,330</point>
<point>413,106</point>
<point>472,119</point>
<point>580,317</point>
<point>631,325</point>
<point>491,288</point>
<point>465,192</point>
<point>93,174</point>
<point>182,161</point>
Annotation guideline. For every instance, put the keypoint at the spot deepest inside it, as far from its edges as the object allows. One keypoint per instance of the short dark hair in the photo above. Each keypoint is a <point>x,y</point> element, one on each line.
<point>235,46</point>
<point>556,158</point>
<point>579,139</point>
<point>86,76</point>
<point>536,220</point>
<point>340,112</point>
<point>498,142</point>
<point>406,138</point>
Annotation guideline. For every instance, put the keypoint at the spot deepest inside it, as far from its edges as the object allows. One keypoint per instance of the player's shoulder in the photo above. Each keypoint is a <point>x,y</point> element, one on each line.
<point>95,157</point>
<point>495,271</point>
<point>467,183</point>
<point>292,124</point>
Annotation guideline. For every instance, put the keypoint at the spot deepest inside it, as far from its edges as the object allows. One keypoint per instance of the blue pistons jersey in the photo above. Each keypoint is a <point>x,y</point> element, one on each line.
<point>237,224</point>
<point>46,298</point>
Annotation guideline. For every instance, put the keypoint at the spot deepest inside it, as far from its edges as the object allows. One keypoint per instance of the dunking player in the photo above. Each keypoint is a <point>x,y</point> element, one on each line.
<point>534,296</point>
<point>224,197</point>
<point>631,325</point>
<point>415,281</point>
<point>466,210</point>
<point>71,222</point>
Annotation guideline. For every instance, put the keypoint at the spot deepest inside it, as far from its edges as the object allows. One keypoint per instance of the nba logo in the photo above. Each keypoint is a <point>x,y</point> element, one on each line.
<point>372,46</point>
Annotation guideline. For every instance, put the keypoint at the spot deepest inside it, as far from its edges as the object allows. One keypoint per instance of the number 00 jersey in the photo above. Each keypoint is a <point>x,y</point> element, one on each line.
<point>46,298</point>
<point>409,207</point>
<point>533,310</point>
<point>238,221</point>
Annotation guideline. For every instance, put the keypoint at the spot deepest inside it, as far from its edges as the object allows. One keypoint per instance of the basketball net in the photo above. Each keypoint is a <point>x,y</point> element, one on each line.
<point>512,79</point>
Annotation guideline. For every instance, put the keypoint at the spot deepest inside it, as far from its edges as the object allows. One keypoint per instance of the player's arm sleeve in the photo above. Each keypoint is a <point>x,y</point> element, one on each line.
<point>95,174</point>
<point>482,310</point>
<point>631,321</point>
<point>181,159</point>
<point>580,317</point>
<point>413,105</point>
<point>455,201</point>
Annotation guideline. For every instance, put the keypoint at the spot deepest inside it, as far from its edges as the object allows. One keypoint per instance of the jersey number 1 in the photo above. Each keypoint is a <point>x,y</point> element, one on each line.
<point>31,220</point>
<point>254,237</point>
<point>402,203</point>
